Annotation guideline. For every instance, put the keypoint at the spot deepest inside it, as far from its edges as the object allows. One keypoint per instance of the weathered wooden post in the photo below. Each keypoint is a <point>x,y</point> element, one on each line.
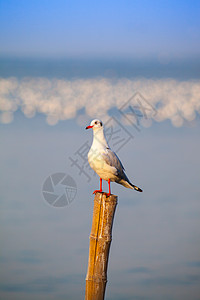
<point>100,240</point>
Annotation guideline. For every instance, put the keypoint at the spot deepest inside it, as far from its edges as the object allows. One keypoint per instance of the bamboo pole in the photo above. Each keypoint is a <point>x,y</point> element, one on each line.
<point>100,240</point>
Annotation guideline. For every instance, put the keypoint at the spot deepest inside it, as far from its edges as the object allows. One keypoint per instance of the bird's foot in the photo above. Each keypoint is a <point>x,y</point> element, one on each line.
<point>97,191</point>
<point>107,194</point>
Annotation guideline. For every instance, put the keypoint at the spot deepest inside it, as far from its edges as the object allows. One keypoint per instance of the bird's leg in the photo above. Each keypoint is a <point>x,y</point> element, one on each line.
<point>100,190</point>
<point>108,194</point>
<point>100,184</point>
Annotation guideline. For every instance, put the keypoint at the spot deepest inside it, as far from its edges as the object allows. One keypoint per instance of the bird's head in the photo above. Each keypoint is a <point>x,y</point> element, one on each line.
<point>95,125</point>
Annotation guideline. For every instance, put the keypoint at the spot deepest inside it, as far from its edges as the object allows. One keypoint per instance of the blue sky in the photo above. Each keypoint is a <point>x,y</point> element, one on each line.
<point>164,29</point>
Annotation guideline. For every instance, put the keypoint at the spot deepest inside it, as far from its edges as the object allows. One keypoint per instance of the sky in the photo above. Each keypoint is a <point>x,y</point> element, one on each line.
<point>141,29</point>
<point>135,65</point>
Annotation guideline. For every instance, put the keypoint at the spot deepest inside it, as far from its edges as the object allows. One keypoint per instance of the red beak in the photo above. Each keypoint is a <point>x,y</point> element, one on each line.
<point>88,127</point>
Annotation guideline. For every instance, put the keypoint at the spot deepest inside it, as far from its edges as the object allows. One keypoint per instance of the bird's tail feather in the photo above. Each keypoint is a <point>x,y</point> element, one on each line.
<point>129,185</point>
<point>136,188</point>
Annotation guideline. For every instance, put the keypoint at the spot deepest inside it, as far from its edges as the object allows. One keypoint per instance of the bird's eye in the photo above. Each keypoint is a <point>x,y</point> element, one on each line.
<point>95,122</point>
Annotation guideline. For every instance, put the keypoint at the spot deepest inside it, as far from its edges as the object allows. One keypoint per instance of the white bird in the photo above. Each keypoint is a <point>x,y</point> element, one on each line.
<point>104,161</point>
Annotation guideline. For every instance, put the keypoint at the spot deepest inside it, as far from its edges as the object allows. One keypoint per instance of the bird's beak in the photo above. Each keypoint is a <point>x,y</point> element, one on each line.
<point>88,127</point>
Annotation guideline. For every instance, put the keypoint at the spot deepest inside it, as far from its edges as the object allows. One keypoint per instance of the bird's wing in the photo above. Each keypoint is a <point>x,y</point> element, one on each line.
<point>112,160</point>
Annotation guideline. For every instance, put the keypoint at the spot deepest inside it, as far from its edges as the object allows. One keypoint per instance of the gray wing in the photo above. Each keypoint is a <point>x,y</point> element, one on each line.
<point>112,160</point>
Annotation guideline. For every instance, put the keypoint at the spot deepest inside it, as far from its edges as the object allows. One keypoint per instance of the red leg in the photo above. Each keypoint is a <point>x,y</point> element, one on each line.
<point>108,194</point>
<point>101,184</point>
<point>100,190</point>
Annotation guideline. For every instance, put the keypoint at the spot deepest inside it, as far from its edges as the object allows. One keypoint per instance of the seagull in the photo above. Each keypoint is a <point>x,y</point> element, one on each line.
<point>104,161</point>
